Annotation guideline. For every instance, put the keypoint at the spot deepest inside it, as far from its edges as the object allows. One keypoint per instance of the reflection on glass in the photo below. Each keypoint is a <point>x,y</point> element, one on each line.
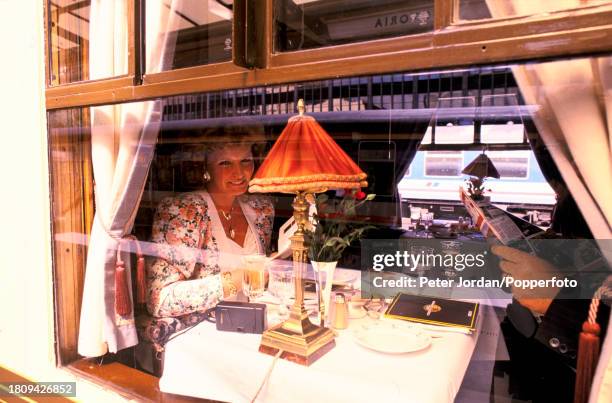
<point>486,9</point>
<point>501,119</point>
<point>196,32</point>
<point>372,118</point>
<point>75,28</point>
<point>453,120</point>
<point>511,164</point>
<point>307,24</point>
<point>443,163</point>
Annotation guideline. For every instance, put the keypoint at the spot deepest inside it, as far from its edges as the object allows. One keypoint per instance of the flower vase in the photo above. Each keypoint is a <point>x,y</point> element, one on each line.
<point>324,276</point>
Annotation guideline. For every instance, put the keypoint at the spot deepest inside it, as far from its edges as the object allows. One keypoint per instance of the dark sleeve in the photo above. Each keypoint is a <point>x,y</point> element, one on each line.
<point>560,328</point>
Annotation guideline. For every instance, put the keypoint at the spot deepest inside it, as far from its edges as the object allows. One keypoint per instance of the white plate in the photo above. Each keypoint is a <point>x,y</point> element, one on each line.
<point>391,338</point>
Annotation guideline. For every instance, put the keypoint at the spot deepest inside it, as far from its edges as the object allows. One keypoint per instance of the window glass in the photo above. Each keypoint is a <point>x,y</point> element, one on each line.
<point>307,24</point>
<point>183,193</point>
<point>486,9</point>
<point>511,164</point>
<point>443,163</point>
<point>187,33</point>
<point>455,133</point>
<point>509,132</point>
<point>75,28</point>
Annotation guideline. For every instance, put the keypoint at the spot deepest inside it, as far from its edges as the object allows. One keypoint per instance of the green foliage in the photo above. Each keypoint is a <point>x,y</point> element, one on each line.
<point>476,188</point>
<point>334,226</point>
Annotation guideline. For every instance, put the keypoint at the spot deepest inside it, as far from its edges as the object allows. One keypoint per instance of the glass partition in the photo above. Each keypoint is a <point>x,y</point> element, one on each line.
<point>193,32</point>
<point>308,24</point>
<point>76,27</point>
<point>487,9</point>
<point>174,182</point>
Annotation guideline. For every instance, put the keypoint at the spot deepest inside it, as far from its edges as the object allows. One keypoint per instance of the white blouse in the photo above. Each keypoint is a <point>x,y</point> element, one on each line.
<point>230,252</point>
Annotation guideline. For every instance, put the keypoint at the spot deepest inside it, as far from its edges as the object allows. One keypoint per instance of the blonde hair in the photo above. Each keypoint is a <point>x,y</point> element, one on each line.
<point>222,137</point>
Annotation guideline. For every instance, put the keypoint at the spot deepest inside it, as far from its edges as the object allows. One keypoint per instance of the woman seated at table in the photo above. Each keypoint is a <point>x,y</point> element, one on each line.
<point>201,234</point>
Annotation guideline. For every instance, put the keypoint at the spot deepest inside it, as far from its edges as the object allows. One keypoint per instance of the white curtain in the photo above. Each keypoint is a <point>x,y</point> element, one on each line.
<point>574,119</point>
<point>123,143</point>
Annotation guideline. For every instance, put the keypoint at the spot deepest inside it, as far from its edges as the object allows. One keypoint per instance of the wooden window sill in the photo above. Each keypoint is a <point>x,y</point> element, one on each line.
<point>128,382</point>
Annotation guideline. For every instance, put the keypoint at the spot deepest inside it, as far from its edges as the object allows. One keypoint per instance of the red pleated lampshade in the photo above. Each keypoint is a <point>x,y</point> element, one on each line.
<point>306,158</point>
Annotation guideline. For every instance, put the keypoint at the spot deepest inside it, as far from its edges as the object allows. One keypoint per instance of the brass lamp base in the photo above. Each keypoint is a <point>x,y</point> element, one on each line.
<point>302,344</point>
<point>300,340</point>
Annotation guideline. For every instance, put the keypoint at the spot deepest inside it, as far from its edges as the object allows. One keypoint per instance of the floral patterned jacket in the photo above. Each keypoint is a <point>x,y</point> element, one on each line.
<point>185,275</point>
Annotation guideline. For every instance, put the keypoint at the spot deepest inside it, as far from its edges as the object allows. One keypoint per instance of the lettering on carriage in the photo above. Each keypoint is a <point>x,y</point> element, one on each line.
<point>417,18</point>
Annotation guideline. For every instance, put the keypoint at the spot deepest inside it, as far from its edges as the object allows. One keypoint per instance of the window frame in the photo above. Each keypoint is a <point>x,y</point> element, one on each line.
<point>558,34</point>
<point>451,44</point>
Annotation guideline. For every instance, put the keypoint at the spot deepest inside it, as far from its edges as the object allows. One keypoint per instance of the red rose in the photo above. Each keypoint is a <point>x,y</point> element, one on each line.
<point>360,195</point>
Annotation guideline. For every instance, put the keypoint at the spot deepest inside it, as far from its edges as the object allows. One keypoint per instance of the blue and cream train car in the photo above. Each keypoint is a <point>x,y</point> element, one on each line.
<point>436,175</point>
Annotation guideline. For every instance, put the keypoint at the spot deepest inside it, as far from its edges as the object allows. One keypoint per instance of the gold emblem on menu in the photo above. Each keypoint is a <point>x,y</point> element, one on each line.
<point>432,308</point>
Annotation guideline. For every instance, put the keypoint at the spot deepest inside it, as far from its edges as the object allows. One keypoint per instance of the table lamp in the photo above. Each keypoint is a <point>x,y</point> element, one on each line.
<point>481,167</point>
<point>304,160</point>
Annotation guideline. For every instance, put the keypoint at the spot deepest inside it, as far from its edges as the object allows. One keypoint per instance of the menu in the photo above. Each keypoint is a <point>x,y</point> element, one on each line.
<point>509,230</point>
<point>434,311</point>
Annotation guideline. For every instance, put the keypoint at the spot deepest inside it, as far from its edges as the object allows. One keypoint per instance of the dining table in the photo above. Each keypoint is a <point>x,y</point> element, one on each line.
<point>227,366</point>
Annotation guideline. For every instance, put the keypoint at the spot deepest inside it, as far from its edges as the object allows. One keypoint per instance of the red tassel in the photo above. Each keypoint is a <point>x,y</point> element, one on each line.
<point>141,284</point>
<point>122,293</point>
<point>588,354</point>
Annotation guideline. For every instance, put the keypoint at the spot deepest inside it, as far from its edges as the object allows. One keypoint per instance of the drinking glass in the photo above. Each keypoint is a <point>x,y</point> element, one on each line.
<point>415,216</point>
<point>281,286</point>
<point>427,220</point>
<point>253,278</point>
<point>450,248</point>
<point>423,266</point>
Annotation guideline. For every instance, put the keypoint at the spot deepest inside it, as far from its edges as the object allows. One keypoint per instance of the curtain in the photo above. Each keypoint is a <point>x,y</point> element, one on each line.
<point>406,150</point>
<point>576,129</point>
<point>123,144</point>
<point>574,120</point>
<point>566,206</point>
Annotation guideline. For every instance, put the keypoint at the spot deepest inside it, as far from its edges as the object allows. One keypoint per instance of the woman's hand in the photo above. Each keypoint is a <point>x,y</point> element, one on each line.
<point>523,266</point>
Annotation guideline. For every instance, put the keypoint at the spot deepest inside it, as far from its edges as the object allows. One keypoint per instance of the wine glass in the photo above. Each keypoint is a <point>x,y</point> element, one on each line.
<point>427,220</point>
<point>415,216</point>
<point>450,248</point>
<point>424,265</point>
<point>282,287</point>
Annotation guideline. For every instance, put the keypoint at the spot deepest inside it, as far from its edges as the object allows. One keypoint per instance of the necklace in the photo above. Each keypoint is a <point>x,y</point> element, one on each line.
<point>228,218</point>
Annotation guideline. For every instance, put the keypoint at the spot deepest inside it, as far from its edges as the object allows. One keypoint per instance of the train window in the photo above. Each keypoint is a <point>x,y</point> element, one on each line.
<point>308,24</point>
<point>427,136</point>
<point>507,133</point>
<point>486,9</point>
<point>197,32</point>
<point>454,134</point>
<point>450,134</point>
<point>443,163</point>
<point>71,36</point>
<point>511,164</point>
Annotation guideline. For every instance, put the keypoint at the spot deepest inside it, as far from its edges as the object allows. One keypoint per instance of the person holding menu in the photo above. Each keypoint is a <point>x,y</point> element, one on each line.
<point>542,326</point>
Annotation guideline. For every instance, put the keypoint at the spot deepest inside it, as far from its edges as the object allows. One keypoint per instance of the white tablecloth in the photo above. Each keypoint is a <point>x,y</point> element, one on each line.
<point>227,367</point>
